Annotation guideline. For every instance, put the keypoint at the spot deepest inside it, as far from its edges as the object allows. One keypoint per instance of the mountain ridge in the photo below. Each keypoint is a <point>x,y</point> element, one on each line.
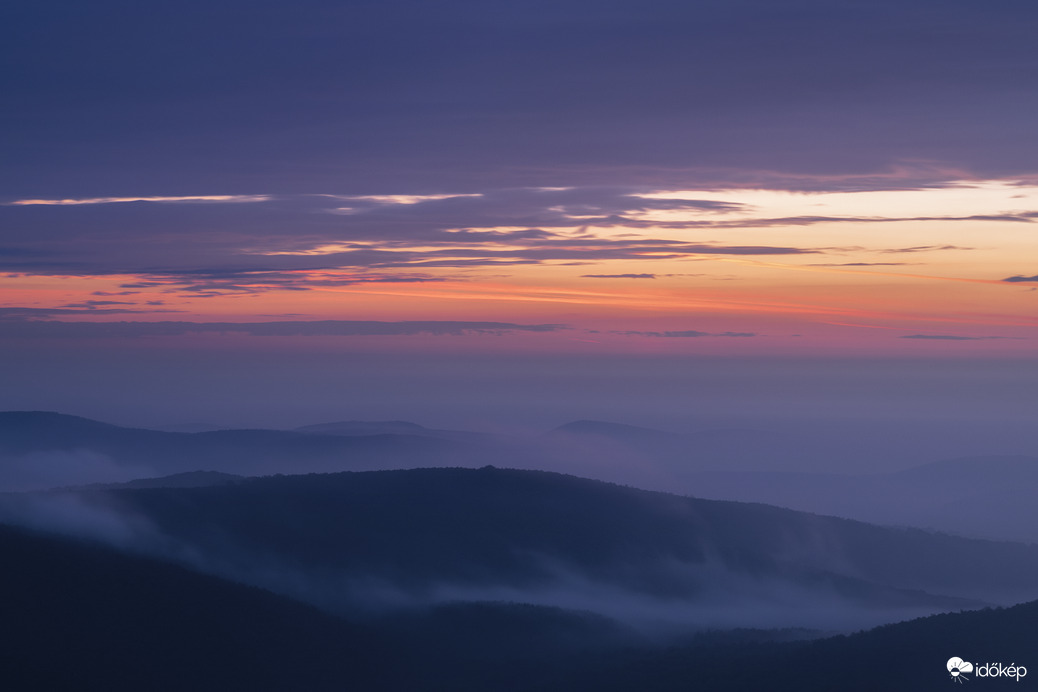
<point>415,537</point>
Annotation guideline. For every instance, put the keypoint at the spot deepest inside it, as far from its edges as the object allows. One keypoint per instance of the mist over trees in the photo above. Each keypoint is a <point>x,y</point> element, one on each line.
<point>483,577</point>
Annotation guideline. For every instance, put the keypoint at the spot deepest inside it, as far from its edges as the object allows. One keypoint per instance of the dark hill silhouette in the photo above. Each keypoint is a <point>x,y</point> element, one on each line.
<point>188,479</point>
<point>609,451</point>
<point>80,616</point>
<point>903,657</point>
<point>26,431</point>
<point>983,497</point>
<point>352,540</point>
<point>149,453</point>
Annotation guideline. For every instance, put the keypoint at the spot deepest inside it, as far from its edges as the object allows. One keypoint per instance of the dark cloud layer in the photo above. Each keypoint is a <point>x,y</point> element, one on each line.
<point>271,242</point>
<point>953,337</point>
<point>19,314</point>
<point>40,328</point>
<point>690,333</point>
<point>115,98</point>
<point>211,247</point>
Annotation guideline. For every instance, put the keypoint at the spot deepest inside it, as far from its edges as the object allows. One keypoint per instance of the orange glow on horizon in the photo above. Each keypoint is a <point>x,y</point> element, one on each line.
<point>841,262</point>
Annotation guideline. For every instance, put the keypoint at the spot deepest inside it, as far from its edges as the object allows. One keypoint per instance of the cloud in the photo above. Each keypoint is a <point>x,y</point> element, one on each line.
<point>401,199</point>
<point>924,248</point>
<point>1021,279</point>
<point>1024,217</point>
<point>458,217</point>
<point>215,282</point>
<point>860,264</point>
<point>53,468</point>
<point>954,337</point>
<point>21,252</point>
<point>618,276</point>
<point>293,244</point>
<point>26,313</point>
<point>820,97</point>
<point>116,200</point>
<point>497,226</point>
<point>42,328</point>
<point>577,248</point>
<point>96,518</point>
<point>93,304</point>
<point>684,334</point>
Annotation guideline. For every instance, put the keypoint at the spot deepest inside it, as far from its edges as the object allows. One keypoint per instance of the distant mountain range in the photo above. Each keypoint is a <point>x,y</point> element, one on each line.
<point>31,440</point>
<point>188,479</point>
<point>980,496</point>
<point>142,571</point>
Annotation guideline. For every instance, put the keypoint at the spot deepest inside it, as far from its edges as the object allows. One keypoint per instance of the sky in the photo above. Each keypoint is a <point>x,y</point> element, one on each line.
<point>483,213</point>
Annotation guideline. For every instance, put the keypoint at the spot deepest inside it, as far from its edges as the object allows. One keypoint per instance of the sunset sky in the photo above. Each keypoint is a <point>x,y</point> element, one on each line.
<point>401,188</point>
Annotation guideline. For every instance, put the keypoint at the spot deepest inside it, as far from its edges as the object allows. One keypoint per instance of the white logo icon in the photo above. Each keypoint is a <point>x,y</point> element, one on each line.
<point>957,667</point>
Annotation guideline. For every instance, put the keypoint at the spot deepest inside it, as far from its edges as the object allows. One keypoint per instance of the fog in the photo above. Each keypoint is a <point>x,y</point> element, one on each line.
<point>819,575</point>
<point>858,413</point>
<point>718,598</point>
<point>55,468</point>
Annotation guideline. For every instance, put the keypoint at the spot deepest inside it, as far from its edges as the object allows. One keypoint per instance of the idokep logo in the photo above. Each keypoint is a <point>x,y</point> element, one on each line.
<point>958,668</point>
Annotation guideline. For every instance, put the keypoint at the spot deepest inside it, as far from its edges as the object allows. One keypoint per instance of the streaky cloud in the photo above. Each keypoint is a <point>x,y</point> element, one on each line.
<point>1021,279</point>
<point>16,314</point>
<point>218,282</point>
<point>923,248</point>
<point>116,200</point>
<point>90,304</point>
<point>403,199</point>
<point>954,337</point>
<point>859,264</point>
<point>1027,217</point>
<point>48,328</point>
<point>689,333</point>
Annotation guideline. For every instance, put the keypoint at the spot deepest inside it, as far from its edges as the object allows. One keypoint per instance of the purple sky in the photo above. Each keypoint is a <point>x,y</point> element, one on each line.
<point>439,209</point>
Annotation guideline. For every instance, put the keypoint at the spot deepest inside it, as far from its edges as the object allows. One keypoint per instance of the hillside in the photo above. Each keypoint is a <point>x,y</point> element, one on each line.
<point>42,449</point>
<point>982,496</point>
<point>902,657</point>
<point>363,541</point>
<point>81,616</point>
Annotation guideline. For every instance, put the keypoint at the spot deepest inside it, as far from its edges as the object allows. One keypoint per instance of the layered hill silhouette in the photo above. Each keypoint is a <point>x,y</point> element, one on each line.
<point>488,578</point>
<point>82,616</point>
<point>357,542</point>
<point>980,496</point>
<point>903,657</point>
<point>32,441</point>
